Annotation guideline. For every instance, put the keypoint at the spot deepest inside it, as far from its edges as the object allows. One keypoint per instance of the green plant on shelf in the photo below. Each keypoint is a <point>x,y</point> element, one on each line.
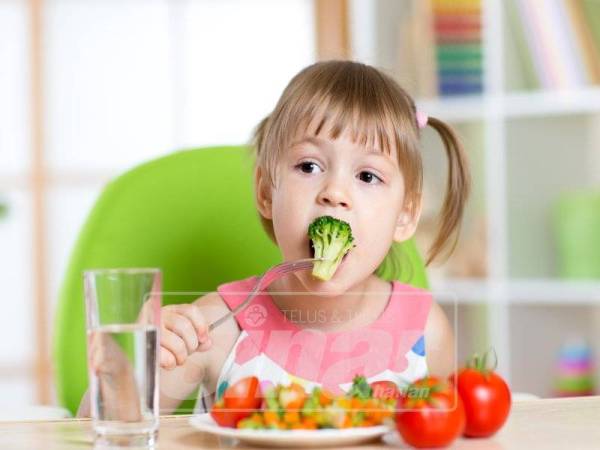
<point>3,210</point>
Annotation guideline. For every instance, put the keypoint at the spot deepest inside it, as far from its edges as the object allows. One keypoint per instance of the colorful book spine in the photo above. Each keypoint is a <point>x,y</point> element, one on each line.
<point>457,26</point>
<point>560,39</point>
<point>574,52</point>
<point>585,39</point>
<point>590,9</point>
<point>524,58</point>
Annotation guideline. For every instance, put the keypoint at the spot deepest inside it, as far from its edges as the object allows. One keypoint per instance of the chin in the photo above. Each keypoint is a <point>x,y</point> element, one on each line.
<point>331,288</point>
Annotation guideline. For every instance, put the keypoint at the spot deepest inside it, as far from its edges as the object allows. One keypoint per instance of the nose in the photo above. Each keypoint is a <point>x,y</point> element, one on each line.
<point>334,194</point>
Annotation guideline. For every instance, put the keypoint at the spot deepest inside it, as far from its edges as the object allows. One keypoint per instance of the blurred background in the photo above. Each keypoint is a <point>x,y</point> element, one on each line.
<point>90,88</point>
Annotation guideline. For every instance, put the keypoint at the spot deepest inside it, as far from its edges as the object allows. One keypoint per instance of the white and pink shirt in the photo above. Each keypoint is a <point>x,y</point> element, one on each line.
<point>279,351</point>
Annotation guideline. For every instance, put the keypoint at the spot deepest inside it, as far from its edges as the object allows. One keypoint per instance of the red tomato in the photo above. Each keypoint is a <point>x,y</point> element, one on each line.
<point>385,389</point>
<point>487,400</point>
<point>244,394</point>
<point>226,417</point>
<point>239,401</point>
<point>430,414</point>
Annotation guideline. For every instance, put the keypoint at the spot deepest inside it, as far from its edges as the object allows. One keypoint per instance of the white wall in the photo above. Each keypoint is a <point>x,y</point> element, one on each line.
<point>125,81</point>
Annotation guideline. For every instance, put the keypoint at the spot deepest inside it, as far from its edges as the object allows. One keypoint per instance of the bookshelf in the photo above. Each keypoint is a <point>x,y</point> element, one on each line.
<point>543,138</point>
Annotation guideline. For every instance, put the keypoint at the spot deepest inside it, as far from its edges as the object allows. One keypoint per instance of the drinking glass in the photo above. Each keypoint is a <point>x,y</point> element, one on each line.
<point>123,319</point>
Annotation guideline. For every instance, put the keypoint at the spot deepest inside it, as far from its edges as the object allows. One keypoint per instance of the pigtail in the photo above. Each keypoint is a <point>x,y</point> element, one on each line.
<point>457,190</point>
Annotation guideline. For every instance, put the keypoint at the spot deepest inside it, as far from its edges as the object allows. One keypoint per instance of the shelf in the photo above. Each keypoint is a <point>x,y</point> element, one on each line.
<point>554,291</point>
<point>546,103</point>
<point>526,291</point>
<point>454,109</point>
<point>513,105</point>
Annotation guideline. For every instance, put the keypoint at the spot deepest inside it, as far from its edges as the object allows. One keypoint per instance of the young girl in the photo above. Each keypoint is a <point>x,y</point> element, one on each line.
<point>343,140</point>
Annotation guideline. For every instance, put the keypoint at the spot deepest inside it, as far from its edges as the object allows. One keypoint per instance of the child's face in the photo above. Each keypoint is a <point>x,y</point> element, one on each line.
<point>318,176</point>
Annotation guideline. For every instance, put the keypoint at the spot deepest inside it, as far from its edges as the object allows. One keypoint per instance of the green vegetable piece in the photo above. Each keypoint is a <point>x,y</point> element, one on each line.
<point>360,388</point>
<point>331,239</point>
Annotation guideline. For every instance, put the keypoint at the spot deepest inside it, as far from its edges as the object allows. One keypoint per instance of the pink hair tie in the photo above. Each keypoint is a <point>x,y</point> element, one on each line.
<point>422,119</point>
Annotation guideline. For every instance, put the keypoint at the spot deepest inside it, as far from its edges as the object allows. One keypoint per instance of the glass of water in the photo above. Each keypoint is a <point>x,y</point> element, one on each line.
<point>123,318</point>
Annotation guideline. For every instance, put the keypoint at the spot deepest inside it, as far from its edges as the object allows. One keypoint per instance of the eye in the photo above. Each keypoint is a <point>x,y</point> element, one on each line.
<point>368,177</point>
<point>307,166</point>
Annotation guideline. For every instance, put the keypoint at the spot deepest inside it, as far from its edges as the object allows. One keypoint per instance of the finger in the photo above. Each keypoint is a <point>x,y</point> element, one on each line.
<point>167,359</point>
<point>183,327</point>
<point>206,345</point>
<point>194,313</point>
<point>173,343</point>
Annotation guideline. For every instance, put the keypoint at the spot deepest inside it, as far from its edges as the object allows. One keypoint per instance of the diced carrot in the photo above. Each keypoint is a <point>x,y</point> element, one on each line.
<point>356,403</point>
<point>347,423</point>
<point>387,413</point>
<point>375,415</point>
<point>281,425</point>
<point>291,417</point>
<point>325,397</point>
<point>371,404</point>
<point>309,423</point>
<point>270,417</point>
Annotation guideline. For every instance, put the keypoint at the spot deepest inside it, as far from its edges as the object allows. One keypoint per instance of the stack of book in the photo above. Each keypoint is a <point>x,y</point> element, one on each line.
<point>558,41</point>
<point>458,46</point>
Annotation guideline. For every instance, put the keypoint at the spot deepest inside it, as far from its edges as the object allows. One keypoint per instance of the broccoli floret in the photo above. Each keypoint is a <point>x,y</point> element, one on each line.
<point>360,388</point>
<point>331,239</point>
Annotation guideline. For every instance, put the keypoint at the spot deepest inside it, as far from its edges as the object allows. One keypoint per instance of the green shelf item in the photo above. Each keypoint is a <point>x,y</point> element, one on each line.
<point>577,232</point>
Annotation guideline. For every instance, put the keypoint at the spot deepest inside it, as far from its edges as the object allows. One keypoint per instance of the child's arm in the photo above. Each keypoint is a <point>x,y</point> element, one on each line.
<point>184,343</point>
<point>181,371</point>
<point>439,343</point>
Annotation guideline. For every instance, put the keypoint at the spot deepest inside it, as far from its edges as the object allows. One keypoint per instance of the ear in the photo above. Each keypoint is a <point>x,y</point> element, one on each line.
<point>406,224</point>
<point>262,189</point>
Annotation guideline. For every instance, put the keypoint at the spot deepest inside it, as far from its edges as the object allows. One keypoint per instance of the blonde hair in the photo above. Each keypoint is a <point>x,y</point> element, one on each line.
<point>341,94</point>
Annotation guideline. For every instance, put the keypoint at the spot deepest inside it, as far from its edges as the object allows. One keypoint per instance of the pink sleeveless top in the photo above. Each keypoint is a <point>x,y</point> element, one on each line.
<point>277,350</point>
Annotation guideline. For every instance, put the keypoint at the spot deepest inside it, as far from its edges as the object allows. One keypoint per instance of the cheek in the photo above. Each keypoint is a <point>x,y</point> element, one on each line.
<point>378,223</point>
<point>290,217</point>
<point>288,206</point>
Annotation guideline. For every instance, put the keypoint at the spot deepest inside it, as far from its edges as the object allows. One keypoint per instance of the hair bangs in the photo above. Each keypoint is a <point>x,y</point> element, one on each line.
<point>375,128</point>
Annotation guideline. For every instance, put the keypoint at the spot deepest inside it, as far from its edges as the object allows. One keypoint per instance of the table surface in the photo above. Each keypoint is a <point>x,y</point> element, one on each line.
<point>545,424</point>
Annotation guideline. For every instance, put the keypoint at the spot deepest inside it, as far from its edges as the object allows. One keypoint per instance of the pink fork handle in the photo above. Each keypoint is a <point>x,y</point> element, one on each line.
<point>265,280</point>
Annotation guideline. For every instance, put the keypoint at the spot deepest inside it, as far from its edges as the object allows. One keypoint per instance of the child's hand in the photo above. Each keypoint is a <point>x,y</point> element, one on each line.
<point>183,331</point>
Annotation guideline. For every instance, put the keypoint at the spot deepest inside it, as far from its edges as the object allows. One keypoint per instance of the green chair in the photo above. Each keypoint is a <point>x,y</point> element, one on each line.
<point>192,214</point>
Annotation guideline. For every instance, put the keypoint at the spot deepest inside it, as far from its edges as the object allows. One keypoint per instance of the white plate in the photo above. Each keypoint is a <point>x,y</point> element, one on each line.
<point>291,438</point>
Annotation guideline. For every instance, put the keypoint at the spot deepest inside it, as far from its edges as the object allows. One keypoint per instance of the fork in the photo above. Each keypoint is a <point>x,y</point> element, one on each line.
<point>273,274</point>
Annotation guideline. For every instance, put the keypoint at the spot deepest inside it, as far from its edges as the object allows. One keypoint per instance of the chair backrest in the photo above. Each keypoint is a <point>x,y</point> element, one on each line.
<point>192,214</point>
